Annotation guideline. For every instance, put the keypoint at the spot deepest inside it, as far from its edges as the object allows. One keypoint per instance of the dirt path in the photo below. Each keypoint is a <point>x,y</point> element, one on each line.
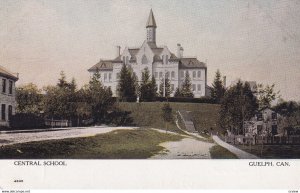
<point>187,148</point>
<point>7,138</point>
<point>239,153</point>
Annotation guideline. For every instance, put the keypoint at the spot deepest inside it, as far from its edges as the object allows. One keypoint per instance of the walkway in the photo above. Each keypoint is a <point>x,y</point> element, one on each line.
<point>187,120</point>
<point>8,138</point>
<point>239,153</point>
<point>187,148</point>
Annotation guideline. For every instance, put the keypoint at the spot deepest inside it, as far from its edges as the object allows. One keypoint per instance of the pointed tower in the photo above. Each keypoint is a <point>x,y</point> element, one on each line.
<point>151,29</point>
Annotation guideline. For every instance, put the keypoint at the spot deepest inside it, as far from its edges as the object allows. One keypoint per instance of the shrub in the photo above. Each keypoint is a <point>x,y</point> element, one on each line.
<point>26,121</point>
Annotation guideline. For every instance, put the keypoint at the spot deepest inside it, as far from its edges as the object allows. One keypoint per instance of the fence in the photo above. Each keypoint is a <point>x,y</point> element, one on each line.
<point>58,123</point>
<point>268,140</point>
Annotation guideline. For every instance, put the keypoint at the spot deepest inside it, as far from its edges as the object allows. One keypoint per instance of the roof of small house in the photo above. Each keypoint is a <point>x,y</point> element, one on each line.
<point>190,63</point>
<point>6,73</point>
<point>102,65</point>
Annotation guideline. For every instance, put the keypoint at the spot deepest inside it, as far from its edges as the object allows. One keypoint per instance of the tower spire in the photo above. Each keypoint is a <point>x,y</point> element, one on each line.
<point>151,29</point>
<point>151,21</point>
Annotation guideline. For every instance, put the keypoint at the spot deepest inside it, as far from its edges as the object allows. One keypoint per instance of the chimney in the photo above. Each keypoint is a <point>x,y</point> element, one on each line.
<point>179,51</point>
<point>118,48</point>
<point>224,81</point>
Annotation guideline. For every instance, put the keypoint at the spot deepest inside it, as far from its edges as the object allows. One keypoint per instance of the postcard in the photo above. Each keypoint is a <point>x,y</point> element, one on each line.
<point>149,95</point>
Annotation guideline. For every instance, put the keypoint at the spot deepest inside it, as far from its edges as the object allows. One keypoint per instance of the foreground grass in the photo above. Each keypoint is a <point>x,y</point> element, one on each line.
<point>149,114</point>
<point>119,144</point>
<point>218,152</point>
<point>273,151</point>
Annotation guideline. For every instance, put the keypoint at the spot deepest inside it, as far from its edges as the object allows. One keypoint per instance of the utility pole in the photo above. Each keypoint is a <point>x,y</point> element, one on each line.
<point>164,91</point>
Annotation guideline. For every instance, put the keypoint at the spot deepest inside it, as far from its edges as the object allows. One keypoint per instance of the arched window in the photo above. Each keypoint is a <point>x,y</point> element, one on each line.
<point>144,60</point>
<point>173,74</point>
<point>194,74</point>
<point>167,74</point>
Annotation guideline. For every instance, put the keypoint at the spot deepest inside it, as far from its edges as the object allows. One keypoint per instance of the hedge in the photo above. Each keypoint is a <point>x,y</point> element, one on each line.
<point>26,121</point>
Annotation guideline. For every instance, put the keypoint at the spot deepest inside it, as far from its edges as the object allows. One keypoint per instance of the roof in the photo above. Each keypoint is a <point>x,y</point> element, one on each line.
<point>5,73</point>
<point>102,65</point>
<point>190,63</point>
<point>151,21</point>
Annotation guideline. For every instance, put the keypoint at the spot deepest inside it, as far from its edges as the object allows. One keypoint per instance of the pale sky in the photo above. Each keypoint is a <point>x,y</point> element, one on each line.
<point>251,40</point>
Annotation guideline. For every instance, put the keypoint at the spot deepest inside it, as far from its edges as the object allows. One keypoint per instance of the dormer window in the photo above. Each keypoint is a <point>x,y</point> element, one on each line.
<point>144,60</point>
<point>167,58</point>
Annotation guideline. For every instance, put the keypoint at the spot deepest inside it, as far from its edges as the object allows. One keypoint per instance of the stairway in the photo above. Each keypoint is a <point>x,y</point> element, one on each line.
<point>187,120</point>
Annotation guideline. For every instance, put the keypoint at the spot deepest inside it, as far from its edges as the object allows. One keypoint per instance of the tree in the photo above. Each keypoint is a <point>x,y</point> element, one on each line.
<point>98,97</point>
<point>290,114</point>
<point>186,88</point>
<point>165,84</point>
<point>29,99</point>
<point>177,93</point>
<point>126,85</point>
<point>266,95</point>
<point>218,88</point>
<point>148,87</point>
<point>238,105</point>
<point>60,100</point>
<point>167,114</point>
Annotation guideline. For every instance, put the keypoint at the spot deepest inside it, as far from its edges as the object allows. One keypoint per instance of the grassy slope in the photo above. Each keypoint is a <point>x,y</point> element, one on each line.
<point>119,144</point>
<point>218,152</point>
<point>149,114</point>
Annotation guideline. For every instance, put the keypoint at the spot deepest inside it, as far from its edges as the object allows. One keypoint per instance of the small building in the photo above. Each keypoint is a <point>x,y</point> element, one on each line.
<point>7,95</point>
<point>264,123</point>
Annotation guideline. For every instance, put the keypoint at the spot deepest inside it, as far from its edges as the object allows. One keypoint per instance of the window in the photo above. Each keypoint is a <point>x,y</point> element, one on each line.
<point>167,74</point>
<point>156,74</point>
<point>163,58</point>
<point>259,129</point>
<point>199,87</point>
<point>105,77</point>
<point>194,74</point>
<point>259,116</point>
<point>144,60</point>
<point>194,87</point>
<point>173,74</point>
<point>274,116</point>
<point>160,74</point>
<point>187,73</point>
<point>172,87</point>
<point>199,74</point>
<point>3,85</point>
<point>167,59</point>
<point>109,77</point>
<point>3,116</point>
<point>10,88</point>
<point>274,130</point>
<point>9,112</point>
<point>182,74</point>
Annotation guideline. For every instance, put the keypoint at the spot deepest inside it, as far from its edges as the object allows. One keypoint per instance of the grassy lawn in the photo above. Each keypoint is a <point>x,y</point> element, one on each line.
<point>119,144</point>
<point>150,114</point>
<point>218,152</point>
<point>273,151</point>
